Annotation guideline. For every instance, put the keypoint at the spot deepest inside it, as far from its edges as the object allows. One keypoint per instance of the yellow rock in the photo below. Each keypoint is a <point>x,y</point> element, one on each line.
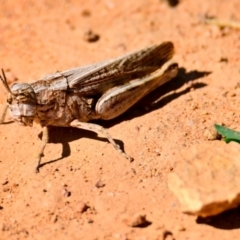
<point>206,180</point>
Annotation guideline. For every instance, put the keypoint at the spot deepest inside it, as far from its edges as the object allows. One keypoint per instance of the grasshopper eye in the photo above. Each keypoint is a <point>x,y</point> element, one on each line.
<point>23,93</point>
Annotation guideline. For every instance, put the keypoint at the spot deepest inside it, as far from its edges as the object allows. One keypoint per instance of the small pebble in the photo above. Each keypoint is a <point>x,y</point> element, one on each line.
<point>211,133</point>
<point>86,13</point>
<point>66,193</point>
<point>100,184</point>
<point>90,36</point>
<point>82,207</point>
<point>90,221</point>
<point>137,220</point>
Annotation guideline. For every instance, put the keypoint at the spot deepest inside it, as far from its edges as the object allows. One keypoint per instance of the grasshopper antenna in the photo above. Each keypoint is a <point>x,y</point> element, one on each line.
<point>4,81</point>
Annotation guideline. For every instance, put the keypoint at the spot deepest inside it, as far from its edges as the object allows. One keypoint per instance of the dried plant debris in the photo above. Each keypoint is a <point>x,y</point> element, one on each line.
<point>222,23</point>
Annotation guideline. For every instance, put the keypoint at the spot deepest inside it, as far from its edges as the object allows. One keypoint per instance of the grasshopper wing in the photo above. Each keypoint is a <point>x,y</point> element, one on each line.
<point>99,77</point>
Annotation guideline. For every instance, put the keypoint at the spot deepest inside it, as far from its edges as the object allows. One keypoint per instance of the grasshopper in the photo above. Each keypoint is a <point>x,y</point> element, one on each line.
<point>102,90</point>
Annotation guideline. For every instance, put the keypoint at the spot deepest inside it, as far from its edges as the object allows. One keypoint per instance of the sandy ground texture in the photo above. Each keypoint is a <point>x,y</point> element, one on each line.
<point>85,189</point>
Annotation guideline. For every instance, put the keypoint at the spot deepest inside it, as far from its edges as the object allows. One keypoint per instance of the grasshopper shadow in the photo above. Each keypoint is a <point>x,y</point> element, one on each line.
<point>65,135</point>
<point>144,106</point>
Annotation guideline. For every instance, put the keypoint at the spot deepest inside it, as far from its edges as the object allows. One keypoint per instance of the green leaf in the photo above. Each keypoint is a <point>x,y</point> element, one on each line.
<point>228,134</point>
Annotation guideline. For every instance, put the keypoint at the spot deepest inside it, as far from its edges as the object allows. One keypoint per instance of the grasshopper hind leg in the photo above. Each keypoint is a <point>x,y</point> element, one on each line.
<point>100,130</point>
<point>119,99</point>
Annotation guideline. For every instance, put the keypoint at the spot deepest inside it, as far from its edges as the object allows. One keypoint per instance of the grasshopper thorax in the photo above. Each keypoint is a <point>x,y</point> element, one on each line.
<point>21,101</point>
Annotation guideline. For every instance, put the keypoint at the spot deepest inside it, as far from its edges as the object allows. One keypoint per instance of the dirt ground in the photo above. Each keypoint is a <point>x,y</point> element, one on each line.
<point>85,189</point>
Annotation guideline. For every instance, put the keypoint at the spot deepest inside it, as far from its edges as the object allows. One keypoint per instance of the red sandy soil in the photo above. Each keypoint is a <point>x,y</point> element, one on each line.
<point>41,37</point>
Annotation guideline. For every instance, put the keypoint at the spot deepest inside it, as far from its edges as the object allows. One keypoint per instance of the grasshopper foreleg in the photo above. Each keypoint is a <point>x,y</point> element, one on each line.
<point>4,114</point>
<point>45,137</point>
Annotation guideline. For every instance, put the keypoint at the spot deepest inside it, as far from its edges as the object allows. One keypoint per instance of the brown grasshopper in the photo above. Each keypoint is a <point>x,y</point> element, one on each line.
<point>103,90</point>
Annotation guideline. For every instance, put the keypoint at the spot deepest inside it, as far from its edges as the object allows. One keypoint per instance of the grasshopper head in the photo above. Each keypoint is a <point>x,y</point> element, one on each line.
<point>21,101</point>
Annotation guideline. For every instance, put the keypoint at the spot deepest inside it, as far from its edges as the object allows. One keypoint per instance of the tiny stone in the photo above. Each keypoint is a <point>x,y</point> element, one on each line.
<point>66,193</point>
<point>100,184</point>
<point>173,3</point>
<point>233,94</point>
<point>54,218</point>
<point>86,13</point>
<point>180,228</point>
<point>90,36</point>
<point>5,182</point>
<point>223,59</point>
<point>137,220</point>
<point>90,221</point>
<point>5,188</point>
<point>167,235</point>
<point>82,207</point>
<point>194,106</point>
<point>205,113</point>
<point>211,133</point>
